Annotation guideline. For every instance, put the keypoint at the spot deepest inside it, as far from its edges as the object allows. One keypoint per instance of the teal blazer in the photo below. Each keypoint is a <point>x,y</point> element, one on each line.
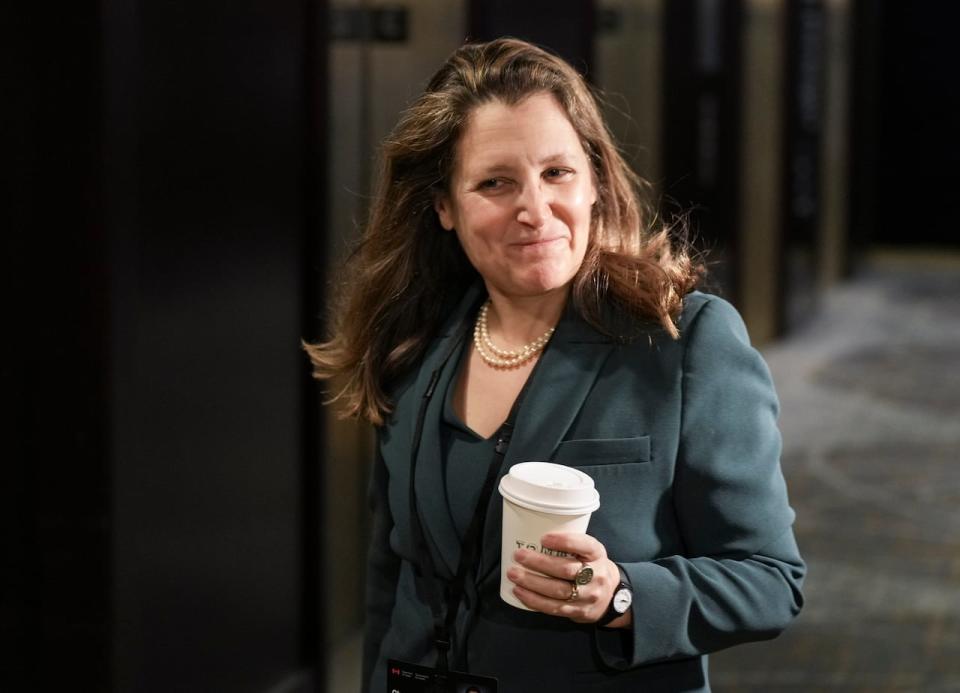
<point>680,437</point>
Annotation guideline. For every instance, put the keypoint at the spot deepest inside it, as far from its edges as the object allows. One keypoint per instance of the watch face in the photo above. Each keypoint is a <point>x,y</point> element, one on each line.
<point>622,600</point>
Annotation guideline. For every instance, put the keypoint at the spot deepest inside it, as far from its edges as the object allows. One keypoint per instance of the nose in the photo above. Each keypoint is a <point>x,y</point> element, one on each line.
<point>533,206</point>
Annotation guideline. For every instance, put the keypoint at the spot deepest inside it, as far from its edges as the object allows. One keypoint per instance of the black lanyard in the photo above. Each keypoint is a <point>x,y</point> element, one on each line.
<point>443,623</point>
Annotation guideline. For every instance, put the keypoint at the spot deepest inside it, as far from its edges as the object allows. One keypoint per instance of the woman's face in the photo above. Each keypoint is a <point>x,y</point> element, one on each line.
<point>521,195</point>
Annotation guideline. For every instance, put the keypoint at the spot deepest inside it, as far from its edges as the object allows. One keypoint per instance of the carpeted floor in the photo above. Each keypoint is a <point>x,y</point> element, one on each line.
<point>870,394</point>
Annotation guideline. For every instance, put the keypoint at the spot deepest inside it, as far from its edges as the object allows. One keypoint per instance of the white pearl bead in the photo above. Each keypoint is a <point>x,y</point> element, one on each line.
<point>504,358</point>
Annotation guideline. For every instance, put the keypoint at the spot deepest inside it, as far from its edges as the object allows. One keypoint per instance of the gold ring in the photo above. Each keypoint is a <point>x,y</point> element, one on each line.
<point>574,592</point>
<point>584,575</point>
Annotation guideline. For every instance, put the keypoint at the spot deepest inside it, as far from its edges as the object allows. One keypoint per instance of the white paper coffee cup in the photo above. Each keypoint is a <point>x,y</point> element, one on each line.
<point>541,497</point>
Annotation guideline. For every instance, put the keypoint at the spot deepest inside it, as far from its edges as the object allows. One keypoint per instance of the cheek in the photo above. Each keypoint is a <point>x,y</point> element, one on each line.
<point>583,220</point>
<point>481,225</point>
<point>477,244</point>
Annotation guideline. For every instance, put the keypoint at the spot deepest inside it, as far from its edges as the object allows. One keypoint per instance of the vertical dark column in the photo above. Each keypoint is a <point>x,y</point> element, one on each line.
<point>564,26</point>
<point>865,125</point>
<point>701,123</point>
<point>158,437</point>
<point>208,446</point>
<point>313,644</point>
<point>919,107</point>
<point>54,569</point>
<point>803,111</point>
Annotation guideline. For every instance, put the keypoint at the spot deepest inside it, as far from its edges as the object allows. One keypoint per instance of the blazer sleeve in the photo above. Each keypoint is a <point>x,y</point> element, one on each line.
<point>383,567</point>
<point>740,575</point>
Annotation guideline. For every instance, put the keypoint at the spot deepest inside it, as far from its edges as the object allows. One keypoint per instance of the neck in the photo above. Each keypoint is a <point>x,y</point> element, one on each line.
<point>516,320</point>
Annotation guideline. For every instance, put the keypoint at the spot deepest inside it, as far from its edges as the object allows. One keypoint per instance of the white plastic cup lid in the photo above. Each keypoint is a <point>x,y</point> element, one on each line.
<point>550,488</point>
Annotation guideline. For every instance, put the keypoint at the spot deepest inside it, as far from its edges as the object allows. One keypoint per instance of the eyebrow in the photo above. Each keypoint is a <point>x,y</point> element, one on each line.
<point>563,155</point>
<point>506,168</point>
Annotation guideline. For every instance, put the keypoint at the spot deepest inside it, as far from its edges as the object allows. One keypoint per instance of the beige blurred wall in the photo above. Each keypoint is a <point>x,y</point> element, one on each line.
<point>835,152</point>
<point>628,65</point>
<point>761,163</point>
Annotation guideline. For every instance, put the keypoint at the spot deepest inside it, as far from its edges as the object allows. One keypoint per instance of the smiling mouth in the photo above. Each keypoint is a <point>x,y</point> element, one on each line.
<point>538,242</point>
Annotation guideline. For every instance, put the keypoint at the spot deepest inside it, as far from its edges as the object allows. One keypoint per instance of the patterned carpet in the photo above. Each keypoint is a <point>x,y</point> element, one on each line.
<point>870,396</point>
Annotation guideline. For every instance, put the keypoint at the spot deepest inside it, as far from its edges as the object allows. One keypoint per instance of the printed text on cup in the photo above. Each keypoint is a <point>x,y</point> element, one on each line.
<point>523,544</point>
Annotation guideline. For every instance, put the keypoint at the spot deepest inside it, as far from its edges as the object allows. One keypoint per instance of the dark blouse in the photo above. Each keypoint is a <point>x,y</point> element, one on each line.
<point>466,457</point>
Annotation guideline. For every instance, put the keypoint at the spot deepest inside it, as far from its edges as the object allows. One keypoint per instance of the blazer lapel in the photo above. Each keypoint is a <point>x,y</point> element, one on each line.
<point>568,369</point>
<point>435,516</point>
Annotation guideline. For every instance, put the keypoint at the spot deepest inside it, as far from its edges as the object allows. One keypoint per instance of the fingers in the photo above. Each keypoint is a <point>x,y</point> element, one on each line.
<point>550,592</point>
<point>584,546</point>
<point>553,607</point>
<point>561,567</point>
<point>552,596</point>
<point>549,587</point>
<point>580,549</point>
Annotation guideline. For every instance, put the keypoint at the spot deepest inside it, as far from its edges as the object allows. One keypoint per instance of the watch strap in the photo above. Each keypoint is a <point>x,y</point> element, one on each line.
<point>611,613</point>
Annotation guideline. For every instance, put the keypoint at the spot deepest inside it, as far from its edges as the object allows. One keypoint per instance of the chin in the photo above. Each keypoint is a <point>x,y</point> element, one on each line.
<point>544,284</point>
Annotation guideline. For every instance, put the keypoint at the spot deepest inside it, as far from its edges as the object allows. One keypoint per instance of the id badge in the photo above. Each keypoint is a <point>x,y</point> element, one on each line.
<point>416,678</point>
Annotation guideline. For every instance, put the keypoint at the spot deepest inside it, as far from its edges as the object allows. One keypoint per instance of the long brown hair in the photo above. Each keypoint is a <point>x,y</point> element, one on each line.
<point>406,271</point>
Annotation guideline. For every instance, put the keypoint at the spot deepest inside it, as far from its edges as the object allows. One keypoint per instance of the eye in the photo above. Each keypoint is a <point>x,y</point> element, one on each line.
<point>491,186</point>
<point>557,172</point>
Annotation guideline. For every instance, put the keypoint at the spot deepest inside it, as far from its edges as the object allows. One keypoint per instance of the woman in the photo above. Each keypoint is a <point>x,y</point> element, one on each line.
<point>508,275</point>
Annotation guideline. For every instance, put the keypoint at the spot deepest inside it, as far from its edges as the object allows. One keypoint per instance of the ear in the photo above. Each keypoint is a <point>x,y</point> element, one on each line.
<point>444,209</point>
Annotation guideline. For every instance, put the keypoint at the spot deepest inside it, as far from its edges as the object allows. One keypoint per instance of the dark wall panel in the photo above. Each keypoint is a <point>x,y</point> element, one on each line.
<point>159,485</point>
<point>803,104</point>
<point>904,109</point>
<point>564,26</point>
<point>702,125</point>
<point>917,148</point>
<point>207,446</point>
<point>55,570</point>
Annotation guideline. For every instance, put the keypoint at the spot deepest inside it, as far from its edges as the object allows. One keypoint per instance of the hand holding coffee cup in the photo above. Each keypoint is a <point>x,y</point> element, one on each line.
<point>544,582</point>
<point>548,562</point>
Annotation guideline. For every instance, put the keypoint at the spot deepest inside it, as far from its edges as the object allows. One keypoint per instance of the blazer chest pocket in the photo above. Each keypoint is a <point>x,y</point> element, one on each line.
<point>599,451</point>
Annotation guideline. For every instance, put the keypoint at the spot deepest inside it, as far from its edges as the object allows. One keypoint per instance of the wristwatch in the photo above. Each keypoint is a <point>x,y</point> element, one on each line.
<point>622,599</point>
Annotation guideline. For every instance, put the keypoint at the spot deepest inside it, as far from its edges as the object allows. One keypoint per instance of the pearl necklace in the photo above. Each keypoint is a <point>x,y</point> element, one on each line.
<point>504,358</point>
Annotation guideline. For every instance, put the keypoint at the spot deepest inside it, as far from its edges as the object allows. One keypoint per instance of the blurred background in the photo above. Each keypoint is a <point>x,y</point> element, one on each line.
<point>182,182</point>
